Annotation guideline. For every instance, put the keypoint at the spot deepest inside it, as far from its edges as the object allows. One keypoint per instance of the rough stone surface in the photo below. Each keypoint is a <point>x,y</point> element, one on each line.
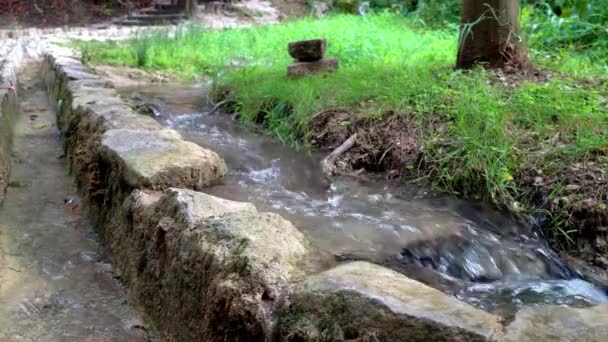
<point>102,106</point>
<point>308,50</point>
<point>560,323</point>
<point>204,268</point>
<point>300,69</point>
<point>8,112</point>
<point>365,302</point>
<point>160,159</point>
<point>86,109</point>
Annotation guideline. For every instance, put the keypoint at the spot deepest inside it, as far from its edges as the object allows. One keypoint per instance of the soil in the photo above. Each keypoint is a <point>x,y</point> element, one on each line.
<point>388,144</point>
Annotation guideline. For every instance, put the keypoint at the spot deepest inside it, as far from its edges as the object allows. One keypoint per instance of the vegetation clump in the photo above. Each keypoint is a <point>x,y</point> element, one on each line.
<point>533,142</point>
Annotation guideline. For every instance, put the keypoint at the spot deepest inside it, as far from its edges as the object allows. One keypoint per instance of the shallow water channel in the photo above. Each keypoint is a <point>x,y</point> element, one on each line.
<point>56,282</point>
<point>460,247</point>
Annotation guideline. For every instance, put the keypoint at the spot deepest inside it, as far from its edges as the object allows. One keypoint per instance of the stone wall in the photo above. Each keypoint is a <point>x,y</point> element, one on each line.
<point>9,60</point>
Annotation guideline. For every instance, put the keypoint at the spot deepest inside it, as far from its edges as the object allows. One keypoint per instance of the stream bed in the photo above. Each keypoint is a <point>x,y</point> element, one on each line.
<point>461,247</point>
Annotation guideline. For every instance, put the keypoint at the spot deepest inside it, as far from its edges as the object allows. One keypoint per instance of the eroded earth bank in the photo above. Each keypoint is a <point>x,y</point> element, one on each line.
<point>198,267</point>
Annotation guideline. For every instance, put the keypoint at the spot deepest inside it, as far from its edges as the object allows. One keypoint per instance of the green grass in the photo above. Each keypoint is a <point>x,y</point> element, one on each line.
<point>495,134</point>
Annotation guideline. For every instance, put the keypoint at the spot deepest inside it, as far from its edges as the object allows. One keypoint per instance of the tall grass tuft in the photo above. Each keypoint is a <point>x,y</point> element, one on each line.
<point>141,50</point>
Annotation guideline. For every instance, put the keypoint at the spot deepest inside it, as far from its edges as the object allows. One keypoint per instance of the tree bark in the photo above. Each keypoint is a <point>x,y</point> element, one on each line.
<point>489,34</point>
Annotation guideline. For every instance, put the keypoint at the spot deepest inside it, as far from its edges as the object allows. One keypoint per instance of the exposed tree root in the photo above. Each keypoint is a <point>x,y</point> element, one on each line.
<point>328,164</point>
<point>220,104</point>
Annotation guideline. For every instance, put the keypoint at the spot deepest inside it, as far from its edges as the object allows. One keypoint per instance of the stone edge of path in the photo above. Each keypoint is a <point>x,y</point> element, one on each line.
<point>9,61</point>
<point>204,268</point>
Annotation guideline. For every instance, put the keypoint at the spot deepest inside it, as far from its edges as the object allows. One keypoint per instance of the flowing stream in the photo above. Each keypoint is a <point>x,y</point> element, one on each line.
<point>460,247</point>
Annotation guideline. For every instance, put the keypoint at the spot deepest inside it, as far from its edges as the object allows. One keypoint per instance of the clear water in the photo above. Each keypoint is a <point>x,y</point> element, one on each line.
<point>461,247</point>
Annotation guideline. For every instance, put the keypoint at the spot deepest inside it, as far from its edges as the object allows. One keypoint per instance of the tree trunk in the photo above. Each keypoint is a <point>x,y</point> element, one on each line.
<point>188,6</point>
<point>489,34</point>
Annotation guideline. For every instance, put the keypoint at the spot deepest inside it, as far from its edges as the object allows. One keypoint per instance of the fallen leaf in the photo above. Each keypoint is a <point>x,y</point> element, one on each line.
<point>41,126</point>
<point>573,187</point>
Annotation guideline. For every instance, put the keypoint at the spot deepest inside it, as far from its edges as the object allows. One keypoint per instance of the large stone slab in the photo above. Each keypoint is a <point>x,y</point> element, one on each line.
<point>300,69</point>
<point>160,159</point>
<point>104,107</point>
<point>208,269</point>
<point>365,302</point>
<point>560,323</point>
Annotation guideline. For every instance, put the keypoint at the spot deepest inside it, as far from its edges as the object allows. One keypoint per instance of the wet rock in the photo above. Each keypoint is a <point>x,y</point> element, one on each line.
<point>479,265</point>
<point>145,106</point>
<point>300,69</point>
<point>366,302</point>
<point>459,259</point>
<point>161,159</point>
<point>209,269</point>
<point>308,50</point>
<point>553,265</point>
<point>559,323</point>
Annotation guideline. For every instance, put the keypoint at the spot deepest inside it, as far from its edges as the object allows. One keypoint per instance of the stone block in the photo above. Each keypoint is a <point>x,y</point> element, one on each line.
<point>102,107</point>
<point>300,69</point>
<point>308,50</point>
<point>560,323</point>
<point>208,269</point>
<point>365,302</point>
<point>160,159</point>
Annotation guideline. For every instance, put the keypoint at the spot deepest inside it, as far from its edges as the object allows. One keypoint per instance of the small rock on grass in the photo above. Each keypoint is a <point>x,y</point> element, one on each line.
<point>308,50</point>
